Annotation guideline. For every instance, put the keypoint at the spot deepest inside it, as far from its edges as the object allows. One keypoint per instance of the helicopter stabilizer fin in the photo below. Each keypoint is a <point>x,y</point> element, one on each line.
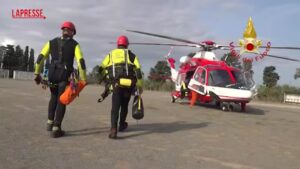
<point>174,72</point>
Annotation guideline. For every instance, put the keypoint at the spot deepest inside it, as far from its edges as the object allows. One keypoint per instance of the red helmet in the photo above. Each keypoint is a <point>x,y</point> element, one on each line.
<point>69,25</point>
<point>122,41</point>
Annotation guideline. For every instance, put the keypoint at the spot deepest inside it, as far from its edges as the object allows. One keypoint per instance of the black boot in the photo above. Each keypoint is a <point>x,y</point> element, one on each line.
<point>57,132</point>
<point>113,133</point>
<point>49,125</point>
<point>123,126</point>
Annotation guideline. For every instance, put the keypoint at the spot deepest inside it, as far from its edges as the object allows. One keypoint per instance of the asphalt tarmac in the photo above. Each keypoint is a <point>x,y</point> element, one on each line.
<point>171,135</point>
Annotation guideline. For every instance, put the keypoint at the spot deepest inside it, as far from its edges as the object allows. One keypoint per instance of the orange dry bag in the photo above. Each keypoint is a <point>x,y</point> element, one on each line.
<point>71,92</point>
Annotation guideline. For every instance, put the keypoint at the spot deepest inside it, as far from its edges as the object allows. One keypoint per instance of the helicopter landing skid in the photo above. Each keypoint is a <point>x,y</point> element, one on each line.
<point>226,106</point>
<point>176,95</point>
<point>173,99</point>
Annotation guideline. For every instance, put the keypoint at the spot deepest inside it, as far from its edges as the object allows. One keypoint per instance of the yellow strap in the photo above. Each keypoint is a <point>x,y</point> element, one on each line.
<point>139,103</point>
<point>183,85</point>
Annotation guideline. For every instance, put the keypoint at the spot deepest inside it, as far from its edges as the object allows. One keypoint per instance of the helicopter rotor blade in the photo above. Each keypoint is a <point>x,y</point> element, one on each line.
<point>272,47</point>
<point>165,37</point>
<point>285,58</point>
<point>282,47</point>
<point>278,57</point>
<point>162,44</point>
<point>222,47</point>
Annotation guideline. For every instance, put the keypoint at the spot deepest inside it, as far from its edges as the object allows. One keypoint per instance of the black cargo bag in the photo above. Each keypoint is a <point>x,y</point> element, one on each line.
<point>57,72</point>
<point>137,108</point>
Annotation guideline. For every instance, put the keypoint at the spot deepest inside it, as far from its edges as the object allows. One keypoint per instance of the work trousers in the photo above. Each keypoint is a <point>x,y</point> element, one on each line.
<point>120,100</point>
<point>56,110</point>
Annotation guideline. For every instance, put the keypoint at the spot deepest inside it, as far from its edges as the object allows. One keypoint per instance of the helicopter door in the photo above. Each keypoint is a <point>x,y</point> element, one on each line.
<point>180,79</point>
<point>198,81</point>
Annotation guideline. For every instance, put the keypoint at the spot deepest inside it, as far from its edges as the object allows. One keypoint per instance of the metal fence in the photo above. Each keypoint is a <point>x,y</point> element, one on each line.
<point>4,73</point>
<point>21,75</point>
<point>291,98</point>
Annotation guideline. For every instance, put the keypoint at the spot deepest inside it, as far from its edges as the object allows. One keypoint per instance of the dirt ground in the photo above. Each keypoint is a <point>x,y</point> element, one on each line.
<point>171,135</point>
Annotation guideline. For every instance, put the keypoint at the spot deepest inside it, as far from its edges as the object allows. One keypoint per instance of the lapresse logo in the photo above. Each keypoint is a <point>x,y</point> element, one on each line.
<point>27,14</point>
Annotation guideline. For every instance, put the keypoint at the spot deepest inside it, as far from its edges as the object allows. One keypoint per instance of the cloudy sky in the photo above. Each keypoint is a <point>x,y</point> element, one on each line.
<point>99,22</point>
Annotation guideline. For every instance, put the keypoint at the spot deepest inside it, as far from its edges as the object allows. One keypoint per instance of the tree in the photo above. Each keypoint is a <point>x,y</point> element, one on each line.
<point>270,77</point>
<point>2,52</point>
<point>231,60</point>
<point>19,58</point>
<point>94,76</point>
<point>160,72</point>
<point>31,61</point>
<point>297,74</point>
<point>9,58</point>
<point>25,59</point>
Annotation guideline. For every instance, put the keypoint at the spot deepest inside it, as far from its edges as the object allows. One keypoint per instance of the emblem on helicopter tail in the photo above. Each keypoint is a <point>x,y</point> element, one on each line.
<point>250,44</point>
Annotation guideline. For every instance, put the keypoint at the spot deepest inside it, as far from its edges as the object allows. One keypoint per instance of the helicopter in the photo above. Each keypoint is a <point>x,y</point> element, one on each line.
<point>205,78</point>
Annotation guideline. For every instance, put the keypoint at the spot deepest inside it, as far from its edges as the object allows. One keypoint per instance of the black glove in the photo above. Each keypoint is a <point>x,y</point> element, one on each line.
<point>38,79</point>
<point>100,99</point>
<point>44,84</point>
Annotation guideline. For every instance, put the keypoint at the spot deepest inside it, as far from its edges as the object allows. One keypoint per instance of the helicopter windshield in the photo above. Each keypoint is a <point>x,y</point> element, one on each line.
<point>238,76</point>
<point>219,78</point>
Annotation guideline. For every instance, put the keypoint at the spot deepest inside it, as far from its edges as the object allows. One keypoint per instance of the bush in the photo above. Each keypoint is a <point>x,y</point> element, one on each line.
<point>92,80</point>
<point>159,86</point>
<point>276,93</point>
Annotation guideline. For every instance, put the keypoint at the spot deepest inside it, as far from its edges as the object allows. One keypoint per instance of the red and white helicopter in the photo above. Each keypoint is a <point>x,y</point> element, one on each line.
<point>204,77</point>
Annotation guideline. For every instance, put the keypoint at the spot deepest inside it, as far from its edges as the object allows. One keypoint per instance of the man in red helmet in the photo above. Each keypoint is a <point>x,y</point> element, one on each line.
<point>63,50</point>
<point>123,70</point>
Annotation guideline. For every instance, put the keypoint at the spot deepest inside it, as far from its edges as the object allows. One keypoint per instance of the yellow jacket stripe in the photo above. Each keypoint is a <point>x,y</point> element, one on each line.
<point>118,57</point>
<point>78,56</point>
<point>45,53</point>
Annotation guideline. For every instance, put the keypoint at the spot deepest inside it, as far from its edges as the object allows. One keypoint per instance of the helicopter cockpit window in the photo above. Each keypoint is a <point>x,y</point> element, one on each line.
<point>200,75</point>
<point>238,76</point>
<point>219,78</point>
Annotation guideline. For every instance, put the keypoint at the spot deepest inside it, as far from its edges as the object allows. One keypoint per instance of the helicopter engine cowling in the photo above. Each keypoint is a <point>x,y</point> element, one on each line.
<point>206,55</point>
<point>184,59</point>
